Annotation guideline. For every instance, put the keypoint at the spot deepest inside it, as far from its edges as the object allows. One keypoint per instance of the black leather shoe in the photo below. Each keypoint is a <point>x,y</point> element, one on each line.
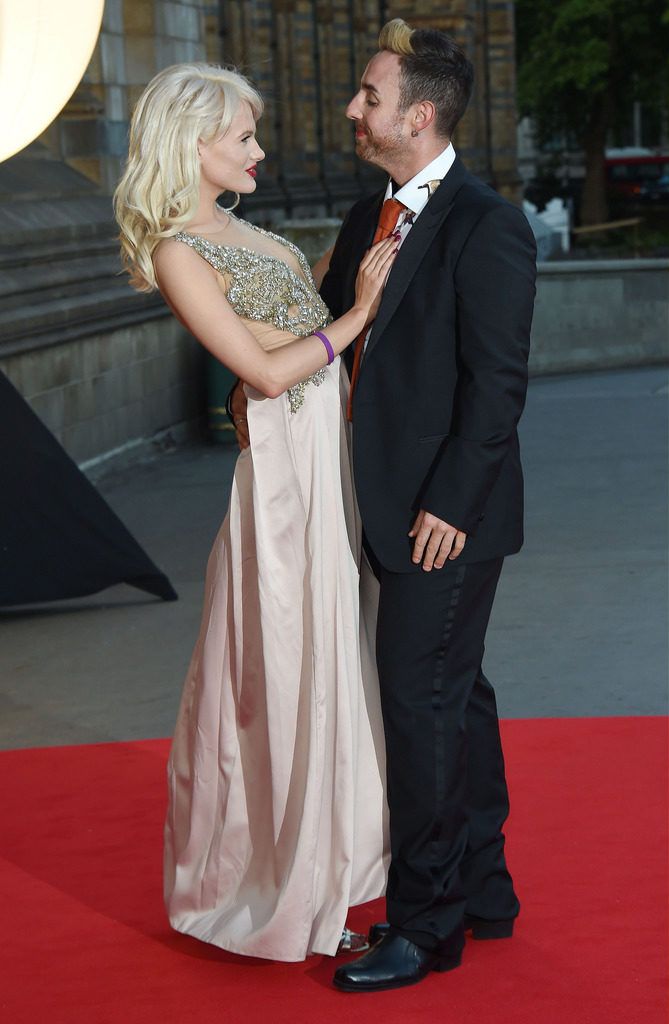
<point>478,926</point>
<point>393,963</point>
<point>377,932</point>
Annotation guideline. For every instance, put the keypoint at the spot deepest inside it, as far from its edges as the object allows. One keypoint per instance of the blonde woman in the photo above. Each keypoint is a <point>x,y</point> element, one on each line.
<point>275,823</point>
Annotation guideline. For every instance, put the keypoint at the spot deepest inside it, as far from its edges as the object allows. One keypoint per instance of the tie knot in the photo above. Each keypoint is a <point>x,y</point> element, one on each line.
<point>390,212</point>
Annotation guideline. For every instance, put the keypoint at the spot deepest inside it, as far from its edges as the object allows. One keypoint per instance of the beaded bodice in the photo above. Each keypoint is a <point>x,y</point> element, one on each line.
<point>263,287</point>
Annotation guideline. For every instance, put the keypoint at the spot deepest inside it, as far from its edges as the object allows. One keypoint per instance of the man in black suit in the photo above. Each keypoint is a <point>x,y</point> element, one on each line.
<point>438,388</point>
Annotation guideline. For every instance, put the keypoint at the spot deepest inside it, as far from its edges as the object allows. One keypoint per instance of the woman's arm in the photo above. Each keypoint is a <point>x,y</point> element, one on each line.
<point>190,287</point>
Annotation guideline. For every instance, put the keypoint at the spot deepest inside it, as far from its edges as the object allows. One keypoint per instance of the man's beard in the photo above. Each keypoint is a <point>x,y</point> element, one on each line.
<point>377,150</point>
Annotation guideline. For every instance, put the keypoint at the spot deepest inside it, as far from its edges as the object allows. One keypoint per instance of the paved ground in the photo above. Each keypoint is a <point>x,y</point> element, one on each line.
<point>580,622</point>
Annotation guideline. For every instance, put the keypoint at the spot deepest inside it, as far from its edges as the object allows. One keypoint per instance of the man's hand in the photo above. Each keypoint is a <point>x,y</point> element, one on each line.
<point>238,403</point>
<point>436,541</point>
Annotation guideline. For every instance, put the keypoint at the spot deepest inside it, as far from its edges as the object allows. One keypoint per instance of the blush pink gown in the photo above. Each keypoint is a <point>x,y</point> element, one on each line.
<point>277,820</point>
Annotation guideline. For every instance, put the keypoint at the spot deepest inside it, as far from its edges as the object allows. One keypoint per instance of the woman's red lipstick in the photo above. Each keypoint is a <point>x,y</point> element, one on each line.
<point>252,171</point>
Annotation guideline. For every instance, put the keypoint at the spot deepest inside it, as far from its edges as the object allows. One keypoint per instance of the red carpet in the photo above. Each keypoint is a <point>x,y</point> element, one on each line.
<point>85,939</point>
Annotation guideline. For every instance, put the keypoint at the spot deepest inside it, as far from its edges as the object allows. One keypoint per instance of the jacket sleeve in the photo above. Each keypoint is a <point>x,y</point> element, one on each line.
<point>495,286</point>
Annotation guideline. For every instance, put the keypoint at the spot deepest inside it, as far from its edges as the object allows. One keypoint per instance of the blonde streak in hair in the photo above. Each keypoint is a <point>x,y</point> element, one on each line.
<point>396,37</point>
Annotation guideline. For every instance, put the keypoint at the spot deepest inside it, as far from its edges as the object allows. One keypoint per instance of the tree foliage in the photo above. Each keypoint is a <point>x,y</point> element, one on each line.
<point>581,63</point>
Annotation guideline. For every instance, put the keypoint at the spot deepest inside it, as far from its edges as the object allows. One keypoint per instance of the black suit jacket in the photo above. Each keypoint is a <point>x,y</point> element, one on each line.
<point>443,380</point>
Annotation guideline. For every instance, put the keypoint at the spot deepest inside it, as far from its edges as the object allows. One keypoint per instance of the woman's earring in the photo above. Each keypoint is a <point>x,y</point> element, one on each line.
<point>414,133</point>
<point>229,209</point>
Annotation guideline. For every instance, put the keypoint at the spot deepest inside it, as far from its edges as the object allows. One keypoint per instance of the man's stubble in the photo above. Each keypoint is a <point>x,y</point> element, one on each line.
<point>382,151</point>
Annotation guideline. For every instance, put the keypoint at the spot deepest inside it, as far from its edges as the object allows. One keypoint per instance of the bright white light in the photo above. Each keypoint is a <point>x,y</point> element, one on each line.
<point>45,47</point>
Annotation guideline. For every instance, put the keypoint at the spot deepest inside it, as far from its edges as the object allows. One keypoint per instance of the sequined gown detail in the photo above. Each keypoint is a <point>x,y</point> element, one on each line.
<point>276,819</point>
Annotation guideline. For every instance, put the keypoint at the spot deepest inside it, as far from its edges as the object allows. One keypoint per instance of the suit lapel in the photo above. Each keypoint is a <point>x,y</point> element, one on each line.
<point>414,248</point>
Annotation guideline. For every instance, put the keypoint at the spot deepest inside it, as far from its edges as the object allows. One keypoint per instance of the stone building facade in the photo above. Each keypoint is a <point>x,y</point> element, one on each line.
<point>138,38</point>
<point>306,57</point>
<point>107,369</point>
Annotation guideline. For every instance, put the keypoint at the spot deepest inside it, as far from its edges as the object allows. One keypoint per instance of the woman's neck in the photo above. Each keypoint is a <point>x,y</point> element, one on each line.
<point>209,217</point>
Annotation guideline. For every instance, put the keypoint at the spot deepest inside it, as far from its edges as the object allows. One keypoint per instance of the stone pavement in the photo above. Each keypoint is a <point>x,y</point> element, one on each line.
<point>580,621</point>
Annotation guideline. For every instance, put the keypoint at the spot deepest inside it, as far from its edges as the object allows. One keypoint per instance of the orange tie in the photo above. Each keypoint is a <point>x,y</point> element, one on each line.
<point>390,212</point>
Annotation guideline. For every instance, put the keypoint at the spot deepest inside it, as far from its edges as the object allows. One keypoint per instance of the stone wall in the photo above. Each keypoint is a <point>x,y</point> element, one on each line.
<point>306,56</point>
<point>114,390</point>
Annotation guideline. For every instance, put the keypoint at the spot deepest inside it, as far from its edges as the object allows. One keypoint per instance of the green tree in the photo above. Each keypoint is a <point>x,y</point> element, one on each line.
<point>581,63</point>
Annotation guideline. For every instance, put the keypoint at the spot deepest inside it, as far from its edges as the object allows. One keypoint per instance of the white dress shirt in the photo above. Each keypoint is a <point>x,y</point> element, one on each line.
<point>415,195</point>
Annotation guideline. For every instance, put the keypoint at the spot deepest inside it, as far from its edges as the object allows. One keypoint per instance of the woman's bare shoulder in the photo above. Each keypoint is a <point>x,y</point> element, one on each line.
<point>174,261</point>
<point>171,251</point>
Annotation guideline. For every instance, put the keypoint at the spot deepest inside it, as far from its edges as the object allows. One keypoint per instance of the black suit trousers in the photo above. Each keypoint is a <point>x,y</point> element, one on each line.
<point>447,791</point>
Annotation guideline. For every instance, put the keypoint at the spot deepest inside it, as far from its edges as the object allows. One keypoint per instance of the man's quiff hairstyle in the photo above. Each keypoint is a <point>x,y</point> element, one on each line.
<point>432,67</point>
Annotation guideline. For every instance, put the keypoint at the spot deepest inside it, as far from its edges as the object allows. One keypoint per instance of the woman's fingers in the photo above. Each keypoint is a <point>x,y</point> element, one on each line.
<point>382,251</point>
<point>387,258</point>
<point>377,251</point>
<point>373,272</point>
<point>380,262</point>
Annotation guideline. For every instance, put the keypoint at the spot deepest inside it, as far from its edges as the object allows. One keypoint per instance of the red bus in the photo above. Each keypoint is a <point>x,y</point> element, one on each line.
<point>628,176</point>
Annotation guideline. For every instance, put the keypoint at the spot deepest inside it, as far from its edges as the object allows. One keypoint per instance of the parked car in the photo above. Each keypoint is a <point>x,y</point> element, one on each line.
<point>655,191</point>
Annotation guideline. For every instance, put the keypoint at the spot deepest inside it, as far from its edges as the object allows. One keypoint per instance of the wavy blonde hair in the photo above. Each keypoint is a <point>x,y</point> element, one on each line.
<point>159,191</point>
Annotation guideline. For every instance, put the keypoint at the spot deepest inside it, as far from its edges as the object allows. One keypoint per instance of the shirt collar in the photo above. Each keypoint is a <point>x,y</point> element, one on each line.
<point>412,195</point>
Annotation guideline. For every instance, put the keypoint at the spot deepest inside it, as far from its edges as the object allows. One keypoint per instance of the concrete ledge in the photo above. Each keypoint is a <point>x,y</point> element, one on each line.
<point>600,266</point>
<point>143,449</point>
<point>600,314</point>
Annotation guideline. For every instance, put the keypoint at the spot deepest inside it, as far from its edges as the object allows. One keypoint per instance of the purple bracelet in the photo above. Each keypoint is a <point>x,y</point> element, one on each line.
<point>328,346</point>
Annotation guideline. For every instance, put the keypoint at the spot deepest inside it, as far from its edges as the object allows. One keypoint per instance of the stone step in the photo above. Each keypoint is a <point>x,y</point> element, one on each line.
<point>46,252</point>
<point>44,282</point>
<point>70,316</point>
<point>45,220</point>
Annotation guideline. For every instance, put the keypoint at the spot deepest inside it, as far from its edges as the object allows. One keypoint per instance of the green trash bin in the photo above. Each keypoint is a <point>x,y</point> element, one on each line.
<point>219,381</point>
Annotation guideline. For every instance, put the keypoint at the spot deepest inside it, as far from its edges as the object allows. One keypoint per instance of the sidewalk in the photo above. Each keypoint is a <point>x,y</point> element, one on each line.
<point>579,626</point>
